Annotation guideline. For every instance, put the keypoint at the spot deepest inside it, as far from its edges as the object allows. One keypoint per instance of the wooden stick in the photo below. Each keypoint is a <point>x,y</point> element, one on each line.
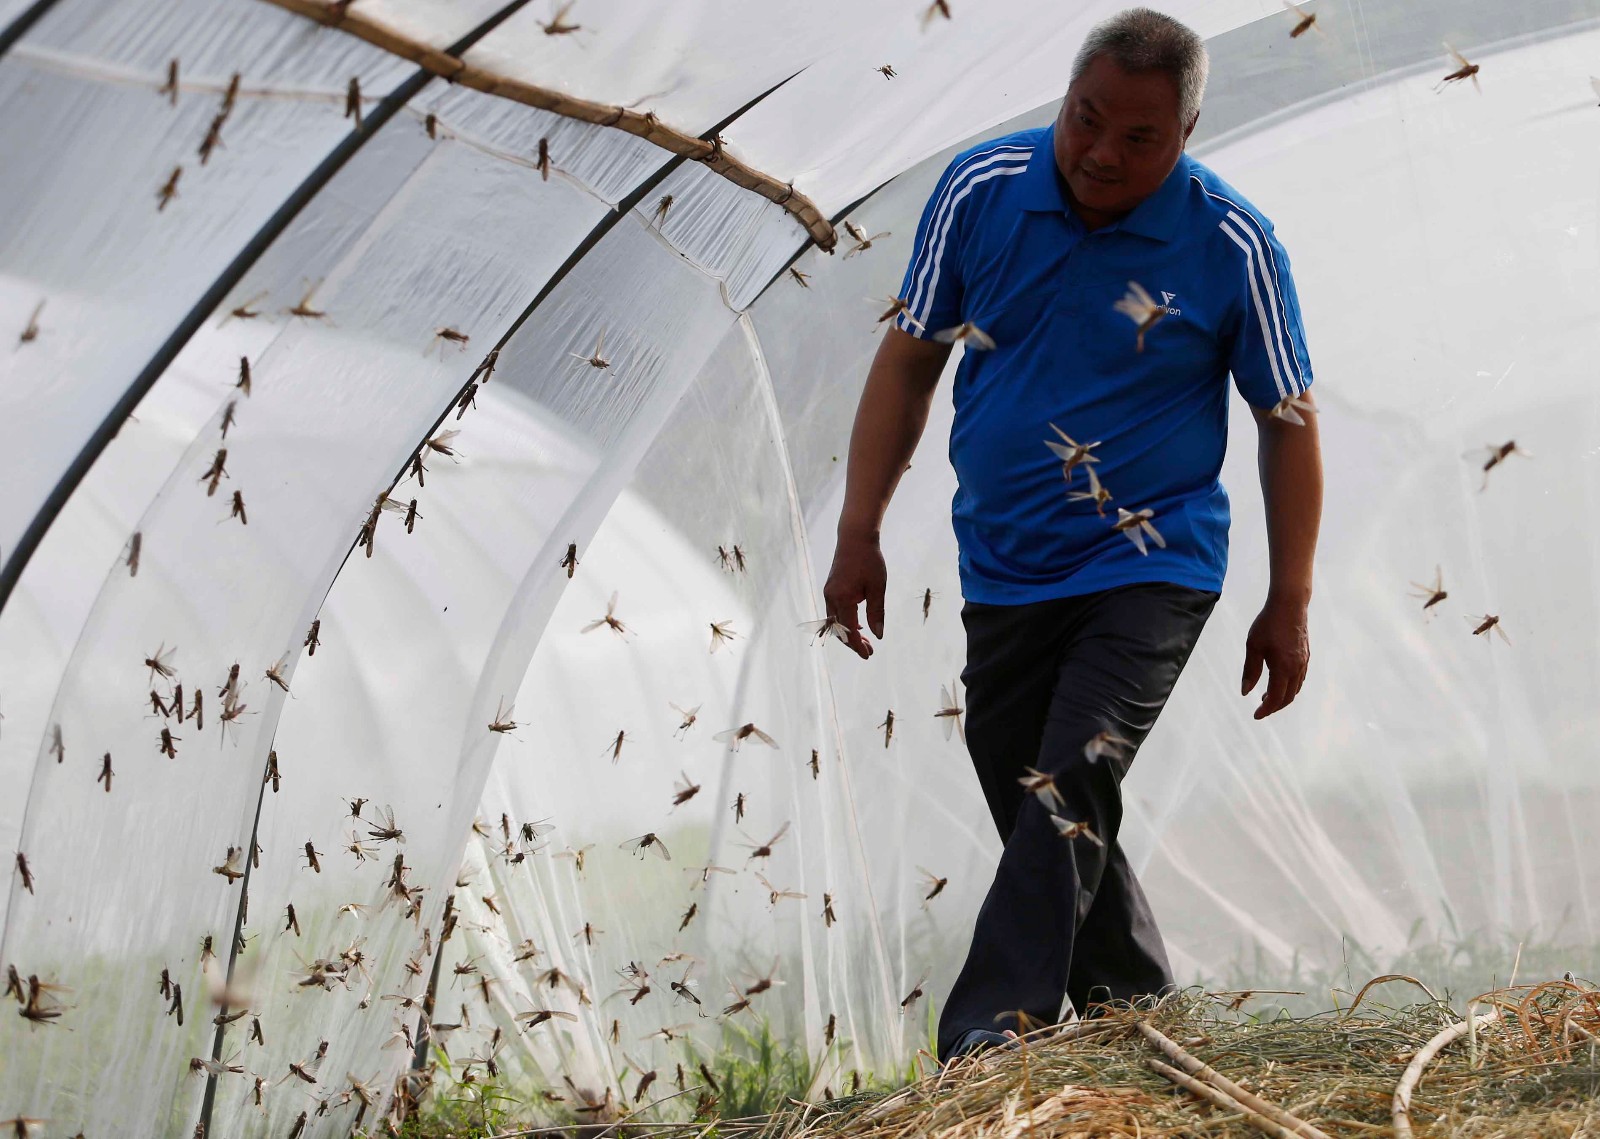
<point>1219,1099</point>
<point>645,126</point>
<point>1196,1067</point>
<point>1400,1109</point>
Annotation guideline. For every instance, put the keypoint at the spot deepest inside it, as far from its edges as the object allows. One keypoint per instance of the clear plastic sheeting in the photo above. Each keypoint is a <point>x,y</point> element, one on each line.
<point>670,406</point>
<point>106,246</point>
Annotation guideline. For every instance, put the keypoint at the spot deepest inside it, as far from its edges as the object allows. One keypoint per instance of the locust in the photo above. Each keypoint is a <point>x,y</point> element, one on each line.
<point>1493,454</point>
<point>1289,408</point>
<point>30,331</point>
<point>1106,745</point>
<point>216,472</point>
<point>802,278</point>
<point>776,894</point>
<point>1071,830</point>
<point>733,737</point>
<point>384,829</point>
<point>950,711</point>
<point>243,311</point>
<point>824,628</point>
<point>911,998</point>
<point>721,634</point>
<point>888,727</point>
<point>169,188</point>
<point>1138,306</point>
<point>230,868</point>
<point>647,841</point>
<point>1487,623</point>
<point>275,670</point>
<point>683,790</point>
<point>764,849</point>
<point>485,367</point>
<point>886,70</point>
<point>352,100</point>
<point>1042,787</point>
<point>448,335</point>
<point>687,716</point>
<point>1097,493</point>
<point>303,307</point>
<point>444,444</point>
<point>213,138</point>
<point>1135,524</point>
<point>1071,453</point>
<point>610,620</point>
<point>898,306</point>
<point>160,662</point>
<point>1431,595</point>
<point>708,870</point>
<point>170,87</point>
<point>569,560</point>
<point>598,359</point>
<point>502,721</point>
<point>965,333</point>
<point>1305,19</point>
<point>1464,70</point>
<point>558,25</point>
<point>863,242</point>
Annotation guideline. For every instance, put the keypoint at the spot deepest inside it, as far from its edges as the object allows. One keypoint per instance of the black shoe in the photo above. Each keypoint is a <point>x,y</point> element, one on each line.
<point>977,1040</point>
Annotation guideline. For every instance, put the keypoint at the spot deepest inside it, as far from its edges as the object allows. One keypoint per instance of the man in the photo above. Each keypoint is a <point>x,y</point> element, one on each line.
<point>1078,617</point>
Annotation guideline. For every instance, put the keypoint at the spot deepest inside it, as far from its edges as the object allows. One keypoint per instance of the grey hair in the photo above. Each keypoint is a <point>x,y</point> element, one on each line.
<point>1141,39</point>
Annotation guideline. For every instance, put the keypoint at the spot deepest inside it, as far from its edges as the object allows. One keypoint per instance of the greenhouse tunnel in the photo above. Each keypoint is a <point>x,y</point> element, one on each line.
<point>658,327</point>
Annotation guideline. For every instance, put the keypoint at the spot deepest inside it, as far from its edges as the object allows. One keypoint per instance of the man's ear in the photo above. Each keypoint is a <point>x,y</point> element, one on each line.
<point>1189,130</point>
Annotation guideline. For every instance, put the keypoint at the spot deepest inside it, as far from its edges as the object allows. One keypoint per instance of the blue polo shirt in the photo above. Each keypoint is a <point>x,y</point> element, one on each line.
<point>999,247</point>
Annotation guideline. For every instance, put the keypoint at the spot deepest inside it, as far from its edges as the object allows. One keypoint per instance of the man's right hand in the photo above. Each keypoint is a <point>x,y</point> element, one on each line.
<point>858,575</point>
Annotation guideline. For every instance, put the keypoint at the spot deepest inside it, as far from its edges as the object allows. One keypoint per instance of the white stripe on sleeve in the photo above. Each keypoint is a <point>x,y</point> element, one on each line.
<point>1265,264</point>
<point>977,168</point>
<point>1261,311</point>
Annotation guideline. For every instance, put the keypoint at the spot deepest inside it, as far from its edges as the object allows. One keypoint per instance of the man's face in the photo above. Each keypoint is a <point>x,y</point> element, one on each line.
<point>1118,136</point>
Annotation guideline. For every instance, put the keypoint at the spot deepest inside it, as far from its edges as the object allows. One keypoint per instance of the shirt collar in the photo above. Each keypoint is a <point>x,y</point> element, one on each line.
<point>1155,217</point>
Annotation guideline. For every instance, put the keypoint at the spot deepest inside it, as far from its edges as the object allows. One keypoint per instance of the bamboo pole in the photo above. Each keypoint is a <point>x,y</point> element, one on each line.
<point>1196,1067</point>
<point>333,14</point>
<point>1400,1109</point>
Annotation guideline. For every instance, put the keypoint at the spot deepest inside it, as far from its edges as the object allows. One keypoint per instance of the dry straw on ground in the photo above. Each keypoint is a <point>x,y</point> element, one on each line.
<point>1525,1062</point>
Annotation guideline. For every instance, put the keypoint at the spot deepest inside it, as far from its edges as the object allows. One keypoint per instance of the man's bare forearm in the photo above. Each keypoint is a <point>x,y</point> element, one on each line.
<point>1290,462</point>
<point>889,422</point>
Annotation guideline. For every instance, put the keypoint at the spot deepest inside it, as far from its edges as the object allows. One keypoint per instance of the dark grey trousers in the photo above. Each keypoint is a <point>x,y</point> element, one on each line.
<point>1065,917</point>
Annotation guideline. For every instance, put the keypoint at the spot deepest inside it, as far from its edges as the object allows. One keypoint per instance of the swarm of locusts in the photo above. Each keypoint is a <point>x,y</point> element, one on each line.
<point>1102,1073</point>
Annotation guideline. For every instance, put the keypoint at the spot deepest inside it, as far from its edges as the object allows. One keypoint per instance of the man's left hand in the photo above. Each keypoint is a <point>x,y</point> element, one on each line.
<point>1279,640</point>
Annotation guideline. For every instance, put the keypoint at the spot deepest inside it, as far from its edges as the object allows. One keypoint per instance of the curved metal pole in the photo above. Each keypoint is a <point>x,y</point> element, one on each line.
<point>237,268</point>
<point>19,27</point>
